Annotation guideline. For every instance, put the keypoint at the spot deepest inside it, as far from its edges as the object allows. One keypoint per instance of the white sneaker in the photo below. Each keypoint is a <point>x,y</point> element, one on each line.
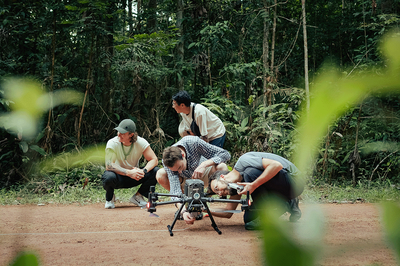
<point>110,204</point>
<point>138,200</point>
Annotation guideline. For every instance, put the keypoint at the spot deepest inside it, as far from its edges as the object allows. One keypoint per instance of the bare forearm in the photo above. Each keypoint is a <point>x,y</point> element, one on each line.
<point>151,164</point>
<point>227,215</point>
<point>113,167</point>
<point>208,163</point>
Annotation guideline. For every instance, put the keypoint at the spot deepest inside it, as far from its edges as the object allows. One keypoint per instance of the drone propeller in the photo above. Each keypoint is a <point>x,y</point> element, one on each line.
<point>229,211</point>
<point>153,215</point>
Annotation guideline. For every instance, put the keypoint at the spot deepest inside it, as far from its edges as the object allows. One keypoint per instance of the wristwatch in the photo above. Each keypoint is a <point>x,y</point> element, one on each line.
<point>145,170</point>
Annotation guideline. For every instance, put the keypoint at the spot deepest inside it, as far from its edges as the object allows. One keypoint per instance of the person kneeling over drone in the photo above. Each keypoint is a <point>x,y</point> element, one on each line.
<point>190,158</point>
<point>262,174</point>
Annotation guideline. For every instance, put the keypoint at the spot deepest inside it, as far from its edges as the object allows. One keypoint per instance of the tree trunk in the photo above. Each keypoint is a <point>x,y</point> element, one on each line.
<point>47,144</point>
<point>109,49</point>
<point>365,33</point>
<point>88,82</point>
<point>130,18</point>
<point>180,50</point>
<point>138,11</point>
<point>152,25</point>
<point>273,40</point>
<point>303,7</point>
<point>265,55</point>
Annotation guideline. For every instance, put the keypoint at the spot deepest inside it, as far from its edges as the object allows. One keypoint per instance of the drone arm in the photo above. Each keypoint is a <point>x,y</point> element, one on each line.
<point>168,195</point>
<point>168,202</point>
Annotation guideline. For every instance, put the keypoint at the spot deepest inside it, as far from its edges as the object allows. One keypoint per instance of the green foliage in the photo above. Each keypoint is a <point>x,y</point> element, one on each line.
<point>311,129</point>
<point>28,105</point>
<point>391,220</point>
<point>25,258</point>
<point>126,65</point>
<point>277,238</point>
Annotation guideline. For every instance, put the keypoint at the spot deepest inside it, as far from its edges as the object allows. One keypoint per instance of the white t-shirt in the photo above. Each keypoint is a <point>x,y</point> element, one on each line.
<point>132,159</point>
<point>209,124</point>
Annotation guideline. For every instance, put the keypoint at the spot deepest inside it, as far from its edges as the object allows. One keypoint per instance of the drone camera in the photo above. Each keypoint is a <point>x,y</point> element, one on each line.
<point>194,188</point>
<point>239,188</point>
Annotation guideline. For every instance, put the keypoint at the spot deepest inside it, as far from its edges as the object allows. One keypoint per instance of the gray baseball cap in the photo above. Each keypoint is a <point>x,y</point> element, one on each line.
<point>126,125</point>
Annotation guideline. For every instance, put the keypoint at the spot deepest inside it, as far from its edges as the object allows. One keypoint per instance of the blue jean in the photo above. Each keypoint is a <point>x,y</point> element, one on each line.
<point>113,181</point>
<point>219,142</point>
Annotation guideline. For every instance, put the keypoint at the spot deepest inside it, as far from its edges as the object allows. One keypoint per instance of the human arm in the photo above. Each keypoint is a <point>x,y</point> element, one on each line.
<point>184,128</point>
<point>174,182</point>
<point>151,158</point>
<point>214,155</point>
<point>271,168</point>
<point>111,165</point>
<point>200,117</point>
<point>230,206</point>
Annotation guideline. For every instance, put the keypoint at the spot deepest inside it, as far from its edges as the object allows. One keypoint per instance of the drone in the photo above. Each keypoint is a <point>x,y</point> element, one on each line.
<point>195,201</point>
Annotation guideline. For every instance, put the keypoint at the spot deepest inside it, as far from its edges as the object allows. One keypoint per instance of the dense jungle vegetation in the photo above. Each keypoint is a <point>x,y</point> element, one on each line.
<point>244,60</point>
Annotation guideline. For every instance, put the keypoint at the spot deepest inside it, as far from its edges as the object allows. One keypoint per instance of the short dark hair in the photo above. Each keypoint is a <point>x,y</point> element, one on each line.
<point>214,176</point>
<point>182,97</point>
<point>171,155</point>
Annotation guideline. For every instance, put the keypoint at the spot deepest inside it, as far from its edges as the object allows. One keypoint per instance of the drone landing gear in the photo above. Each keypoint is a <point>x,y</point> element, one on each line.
<point>213,224</point>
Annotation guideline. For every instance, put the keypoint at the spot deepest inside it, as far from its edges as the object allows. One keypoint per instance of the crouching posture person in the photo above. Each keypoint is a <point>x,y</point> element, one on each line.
<point>191,157</point>
<point>263,175</point>
<point>123,154</point>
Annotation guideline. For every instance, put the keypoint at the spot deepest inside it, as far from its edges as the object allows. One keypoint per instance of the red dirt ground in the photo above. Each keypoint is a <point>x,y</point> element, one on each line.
<point>126,235</point>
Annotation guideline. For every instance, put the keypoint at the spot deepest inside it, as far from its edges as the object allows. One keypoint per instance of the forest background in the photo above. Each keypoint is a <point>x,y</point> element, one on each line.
<point>247,61</point>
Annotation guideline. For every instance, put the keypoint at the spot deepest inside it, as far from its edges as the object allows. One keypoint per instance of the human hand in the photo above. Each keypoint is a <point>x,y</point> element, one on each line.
<point>198,172</point>
<point>188,218</point>
<point>136,173</point>
<point>246,187</point>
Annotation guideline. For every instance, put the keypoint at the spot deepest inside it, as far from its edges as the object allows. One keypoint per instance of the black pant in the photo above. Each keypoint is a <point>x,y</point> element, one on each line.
<point>113,181</point>
<point>280,185</point>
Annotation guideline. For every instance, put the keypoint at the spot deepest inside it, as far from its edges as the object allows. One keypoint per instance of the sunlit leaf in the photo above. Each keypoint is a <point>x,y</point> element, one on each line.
<point>94,155</point>
<point>26,259</point>
<point>333,94</point>
<point>391,221</point>
<point>280,248</point>
<point>30,101</point>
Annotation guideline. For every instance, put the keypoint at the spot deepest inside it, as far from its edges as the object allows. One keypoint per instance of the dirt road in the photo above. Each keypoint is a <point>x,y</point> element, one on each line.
<point>127,235</point>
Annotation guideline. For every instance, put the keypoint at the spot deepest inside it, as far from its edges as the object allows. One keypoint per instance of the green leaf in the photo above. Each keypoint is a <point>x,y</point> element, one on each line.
<point>26,259</point>
<point>245,122</point>
<point>391,222</point>
<point>24,146</point>
<point>38,149</point>
<point>278,243</point>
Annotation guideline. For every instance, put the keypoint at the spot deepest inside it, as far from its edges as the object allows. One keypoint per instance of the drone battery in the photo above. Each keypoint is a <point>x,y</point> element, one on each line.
<point>193,186</point>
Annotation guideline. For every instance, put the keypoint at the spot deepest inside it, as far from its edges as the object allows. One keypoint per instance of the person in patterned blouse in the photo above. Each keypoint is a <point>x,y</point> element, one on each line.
<point>191,157</point>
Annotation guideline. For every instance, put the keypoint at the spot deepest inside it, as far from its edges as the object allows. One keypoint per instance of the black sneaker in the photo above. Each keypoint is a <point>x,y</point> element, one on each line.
<point>295,212</point>
<point>253,225</point>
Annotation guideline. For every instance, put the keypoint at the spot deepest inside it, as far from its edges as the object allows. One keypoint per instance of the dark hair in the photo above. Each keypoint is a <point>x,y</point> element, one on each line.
<point>214,176</point>
<point>182,97</point>
<point>171,155</point>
